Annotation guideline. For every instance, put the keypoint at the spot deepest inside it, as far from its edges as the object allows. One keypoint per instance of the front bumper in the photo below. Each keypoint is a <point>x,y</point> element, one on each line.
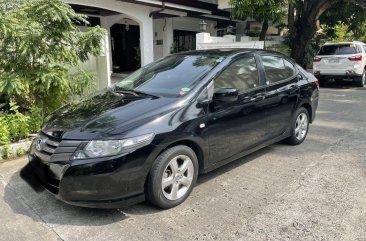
<point>110,182</point>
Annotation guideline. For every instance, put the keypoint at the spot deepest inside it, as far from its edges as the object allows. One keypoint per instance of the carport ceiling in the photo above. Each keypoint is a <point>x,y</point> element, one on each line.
<point>93,10</point>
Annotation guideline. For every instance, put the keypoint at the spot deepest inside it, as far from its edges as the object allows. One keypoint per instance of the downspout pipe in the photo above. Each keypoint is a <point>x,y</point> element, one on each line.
<point>158,11</point>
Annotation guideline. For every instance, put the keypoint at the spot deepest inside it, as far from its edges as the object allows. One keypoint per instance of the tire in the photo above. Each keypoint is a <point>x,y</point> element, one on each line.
<point>179,183</point>
<point>361,81</point>
<point>299,127</point>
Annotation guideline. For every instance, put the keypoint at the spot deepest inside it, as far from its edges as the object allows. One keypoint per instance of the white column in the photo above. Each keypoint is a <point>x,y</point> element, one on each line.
<point>168,37</point>
<point>105,23</point>
<point>146,40</point>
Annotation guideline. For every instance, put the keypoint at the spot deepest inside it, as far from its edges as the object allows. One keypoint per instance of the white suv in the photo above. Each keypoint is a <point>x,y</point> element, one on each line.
<point>342,60</point>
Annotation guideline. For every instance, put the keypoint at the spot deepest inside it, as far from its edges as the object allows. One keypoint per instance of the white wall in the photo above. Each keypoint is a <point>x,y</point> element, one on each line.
<point>205,41</point>
<point>159,27</point>
<point>164,30</point>
<point>138,13</point>
<point>192,24</point>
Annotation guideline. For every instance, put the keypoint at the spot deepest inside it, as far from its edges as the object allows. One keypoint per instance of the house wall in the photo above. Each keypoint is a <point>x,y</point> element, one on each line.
<point>156,35</point>
<point>164,29</point>
<point>138,13</point>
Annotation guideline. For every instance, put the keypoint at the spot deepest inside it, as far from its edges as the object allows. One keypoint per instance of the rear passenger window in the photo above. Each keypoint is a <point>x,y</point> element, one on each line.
<point>241,75</point>
<point>277,69</point>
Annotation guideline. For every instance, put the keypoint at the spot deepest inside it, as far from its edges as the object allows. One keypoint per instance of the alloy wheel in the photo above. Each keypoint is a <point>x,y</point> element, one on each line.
<point>177,177</point>
<point>301,127</point>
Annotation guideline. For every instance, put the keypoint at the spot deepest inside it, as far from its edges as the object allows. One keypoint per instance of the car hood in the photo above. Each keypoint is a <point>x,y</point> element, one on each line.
<point>101,115</point>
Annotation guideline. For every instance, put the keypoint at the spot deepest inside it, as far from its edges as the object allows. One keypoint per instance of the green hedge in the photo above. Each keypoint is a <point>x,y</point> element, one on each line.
<point>15,125</point>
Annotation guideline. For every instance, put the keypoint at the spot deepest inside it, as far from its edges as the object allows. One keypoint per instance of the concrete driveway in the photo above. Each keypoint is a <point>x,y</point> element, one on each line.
<point>315,191</point>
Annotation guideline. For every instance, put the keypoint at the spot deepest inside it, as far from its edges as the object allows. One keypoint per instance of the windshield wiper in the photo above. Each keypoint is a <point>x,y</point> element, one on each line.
<point>133,92</point>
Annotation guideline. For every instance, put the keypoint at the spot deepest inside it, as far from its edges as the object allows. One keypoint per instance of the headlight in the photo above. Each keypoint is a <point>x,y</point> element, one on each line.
<point>112,147</point>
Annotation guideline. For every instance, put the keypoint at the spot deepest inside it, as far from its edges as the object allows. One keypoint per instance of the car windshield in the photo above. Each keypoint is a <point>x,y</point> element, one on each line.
<point>172,76</point>
<point>338,49</point>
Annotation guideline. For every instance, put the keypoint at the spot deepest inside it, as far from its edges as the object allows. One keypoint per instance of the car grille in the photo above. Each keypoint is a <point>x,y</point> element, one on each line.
<point>49,149</point>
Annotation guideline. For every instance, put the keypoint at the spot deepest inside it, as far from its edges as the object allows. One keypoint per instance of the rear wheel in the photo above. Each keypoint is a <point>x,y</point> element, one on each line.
<point>362,80</point>
<point>172,177</point>
<point>299,127</point>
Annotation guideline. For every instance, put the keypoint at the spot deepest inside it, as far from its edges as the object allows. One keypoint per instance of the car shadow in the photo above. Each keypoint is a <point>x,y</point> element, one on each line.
<point>44,207</point>
<point>234,164</point>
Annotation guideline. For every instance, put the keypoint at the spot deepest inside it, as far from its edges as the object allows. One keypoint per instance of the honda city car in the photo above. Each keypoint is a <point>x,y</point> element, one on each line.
<point>150,135</point>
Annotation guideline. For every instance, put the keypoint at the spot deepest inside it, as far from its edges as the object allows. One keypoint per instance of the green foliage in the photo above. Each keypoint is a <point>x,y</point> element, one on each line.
<point>345,21</point>
<point>15,125</point>
<point>7,151</point>
<point>342,33</point>
<point>19,151</point>
<point>4,131</point>
<point>40,49</point>
<point>260,10</point>
<point>35,119</point>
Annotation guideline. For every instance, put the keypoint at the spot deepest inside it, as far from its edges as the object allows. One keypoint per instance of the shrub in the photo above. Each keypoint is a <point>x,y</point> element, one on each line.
<point>7,151</point>
<point>20,151</point>
<point>18,123</point>
<point>4,130</point>
<point>15,126</point>
<point>35,119</point>
<point>41,49</point>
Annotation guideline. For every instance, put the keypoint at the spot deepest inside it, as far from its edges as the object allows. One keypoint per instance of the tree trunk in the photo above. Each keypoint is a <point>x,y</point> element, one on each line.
<point>291,16</point>
<point>305,26</point>
<point>303,34</point>
<point>262,35</point>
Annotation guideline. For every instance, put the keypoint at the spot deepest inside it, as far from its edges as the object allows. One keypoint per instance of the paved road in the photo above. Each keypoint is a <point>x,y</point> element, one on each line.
<point>315,191</point>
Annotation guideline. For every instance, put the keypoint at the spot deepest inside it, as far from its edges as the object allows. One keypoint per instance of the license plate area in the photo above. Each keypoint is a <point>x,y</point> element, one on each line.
<point>333,60</point>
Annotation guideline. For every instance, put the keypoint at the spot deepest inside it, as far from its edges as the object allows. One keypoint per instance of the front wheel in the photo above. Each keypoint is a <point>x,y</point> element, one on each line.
<point>172,177</point>
<point>299,127</point>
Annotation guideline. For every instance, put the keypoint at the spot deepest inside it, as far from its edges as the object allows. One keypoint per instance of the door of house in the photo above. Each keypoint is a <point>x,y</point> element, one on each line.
<point>125,47</point>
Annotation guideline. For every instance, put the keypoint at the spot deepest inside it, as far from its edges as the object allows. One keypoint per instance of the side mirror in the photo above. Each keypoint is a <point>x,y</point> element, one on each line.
<point>226,95</point>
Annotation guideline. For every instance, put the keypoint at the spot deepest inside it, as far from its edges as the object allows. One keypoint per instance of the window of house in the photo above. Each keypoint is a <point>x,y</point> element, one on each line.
<point>241,75</point>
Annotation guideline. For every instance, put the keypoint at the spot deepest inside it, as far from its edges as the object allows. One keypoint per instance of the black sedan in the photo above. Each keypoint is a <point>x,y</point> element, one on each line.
<point>150,135</point>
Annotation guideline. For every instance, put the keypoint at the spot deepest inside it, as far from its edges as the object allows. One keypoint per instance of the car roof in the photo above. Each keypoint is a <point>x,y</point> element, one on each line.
<point>229,52</point>
<point>335,43</point>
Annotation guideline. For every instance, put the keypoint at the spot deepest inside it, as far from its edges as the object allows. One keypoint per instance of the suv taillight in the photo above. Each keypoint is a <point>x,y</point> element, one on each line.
<point>317,59</point>
<point>356,58</point>
<point>317,83</point>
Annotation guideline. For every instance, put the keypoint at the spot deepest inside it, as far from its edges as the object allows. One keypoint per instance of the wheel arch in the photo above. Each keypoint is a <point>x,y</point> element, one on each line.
<point>308,107</point>
<point>198,150</point>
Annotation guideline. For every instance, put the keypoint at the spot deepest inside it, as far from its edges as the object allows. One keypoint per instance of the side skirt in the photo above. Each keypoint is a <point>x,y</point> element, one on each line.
<point>247,152</point>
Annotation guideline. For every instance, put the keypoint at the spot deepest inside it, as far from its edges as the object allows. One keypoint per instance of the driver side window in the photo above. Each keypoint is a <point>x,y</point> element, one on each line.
<point>241,75</point>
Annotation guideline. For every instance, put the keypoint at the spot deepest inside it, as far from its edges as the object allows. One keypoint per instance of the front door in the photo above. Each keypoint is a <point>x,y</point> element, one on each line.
<point>237,126</point>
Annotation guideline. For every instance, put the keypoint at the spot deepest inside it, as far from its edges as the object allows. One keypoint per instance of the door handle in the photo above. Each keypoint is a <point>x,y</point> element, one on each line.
<point>258,98</point>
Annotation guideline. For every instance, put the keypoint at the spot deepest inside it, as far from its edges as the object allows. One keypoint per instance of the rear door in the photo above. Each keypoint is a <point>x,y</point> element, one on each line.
<point>282,93</point>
